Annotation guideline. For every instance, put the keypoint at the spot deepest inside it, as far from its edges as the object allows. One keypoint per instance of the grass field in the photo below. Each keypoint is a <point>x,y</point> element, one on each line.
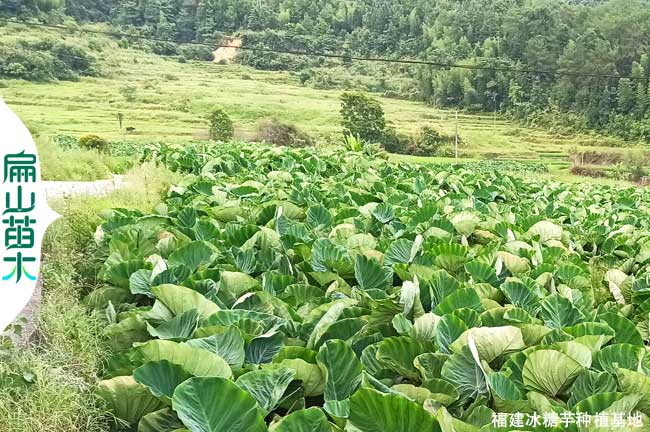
<point>171,98</point>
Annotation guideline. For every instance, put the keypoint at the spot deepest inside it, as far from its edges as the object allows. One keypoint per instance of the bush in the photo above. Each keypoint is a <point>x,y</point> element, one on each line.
<point>362,116</point>
<point>44,60</point>
<point>427,142</point>
<point>93,142</point>
<point>395,142</point>
<point>129,92</point>
<point>276,132</point>
<point>195,52</point>
<point>221,127</point>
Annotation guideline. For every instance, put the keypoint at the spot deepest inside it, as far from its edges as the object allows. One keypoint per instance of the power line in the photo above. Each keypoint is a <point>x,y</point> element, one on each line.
<point>441,65</point>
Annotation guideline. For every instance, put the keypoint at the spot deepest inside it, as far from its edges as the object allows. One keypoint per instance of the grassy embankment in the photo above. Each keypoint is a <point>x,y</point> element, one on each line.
<point>170,100</point>
<point>48,385</point>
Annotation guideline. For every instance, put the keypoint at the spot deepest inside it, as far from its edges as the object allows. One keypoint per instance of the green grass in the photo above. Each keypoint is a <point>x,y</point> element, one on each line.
<point>66,356</point>
<point>173,98</point>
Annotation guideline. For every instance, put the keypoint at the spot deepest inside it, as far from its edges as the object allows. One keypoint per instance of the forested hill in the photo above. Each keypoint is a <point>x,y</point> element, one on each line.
<point>584,36</point>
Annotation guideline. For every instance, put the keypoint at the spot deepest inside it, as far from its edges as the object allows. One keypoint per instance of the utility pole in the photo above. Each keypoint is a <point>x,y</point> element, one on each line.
<point>456,137</point>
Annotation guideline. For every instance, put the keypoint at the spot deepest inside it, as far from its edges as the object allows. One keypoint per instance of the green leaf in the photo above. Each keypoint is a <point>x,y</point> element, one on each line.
<point>341,369</point>
<point>521,296</point>
<point>513,263</point>
<point>216,405</point>
<point>161,377</point>
<point>125,333</point>
<point>180,327</point>
<point>398,353</point>
<point>305,420</point>
<point>333,313</point>
<point>620,355</point>
<point>491,342</point>
<point>464,373</point>
<point>597,403</point>
<point>267,386</point>
<point>262,348</point>
<point>327,256</point>
<point>550,372</point>
<point>311,375</point>
<point>462,298</point>
<point>372,411</point>
<point>318,216</point>
<point>430,365</point>
<point>624,329</point>
<point>558,312</point>
<point>195,361</point>
<point>635,383</point>
<point>546,231</point>
<point>126,399</point>
<point>192,255</point>
<point>180,299</point>
<point>450,328</point>
<point>371,275</point>
<point>236,283</point>
<point>228,345</point>
<point>590,383</point>
<point>503,387</point>
<point>441,391</point>
<point>164,420</point>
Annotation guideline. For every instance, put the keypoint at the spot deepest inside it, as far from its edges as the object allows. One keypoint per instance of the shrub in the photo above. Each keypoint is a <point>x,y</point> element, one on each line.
<point>395,142</point>
<point>362,116</point>
<point>44,60</point>
<point>93,142</point>
<point>164,48</point>
<point>276,132</point>
<point>195,52</point>
<point>427,142</point>
<point>221,126</point>
<point>129,92</point>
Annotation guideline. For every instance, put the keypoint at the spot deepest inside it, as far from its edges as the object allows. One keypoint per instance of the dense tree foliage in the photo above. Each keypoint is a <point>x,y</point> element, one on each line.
<point>578,36</point>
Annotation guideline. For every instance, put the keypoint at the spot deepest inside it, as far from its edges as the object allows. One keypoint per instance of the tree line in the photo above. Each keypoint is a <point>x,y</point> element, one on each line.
<point>601,37</point>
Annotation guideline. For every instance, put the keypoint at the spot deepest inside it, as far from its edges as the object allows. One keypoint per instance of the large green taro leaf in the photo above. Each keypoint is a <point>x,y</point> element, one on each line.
<point>372,411</point>
<point>371,275</point>
<point>619,355</point>
<point>211,404</point>
<point>635,383</point>
<point>624,329</point>
<point>192,255</point>
<point>126,399</point>
<point>161,377</point>
<point>450,328</point>
<point>491,342</point>
<point>195,361</point>
<point>305,420</point>
<point>179,299</point>
<point>266,385</point>
<point>558,312</point>
<point>464,373</point>
<point>398,353</point>
<point>333,313</point>
<point>229,345</point>
<point>590,383</point>
<point>180,327</point>
<point>310,374</point>
<point>550,372</point>
<point>341,368</point>
<point>164,420</point>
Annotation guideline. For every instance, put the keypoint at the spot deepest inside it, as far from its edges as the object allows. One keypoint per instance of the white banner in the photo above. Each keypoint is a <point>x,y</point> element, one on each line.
<point>24,217</point>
